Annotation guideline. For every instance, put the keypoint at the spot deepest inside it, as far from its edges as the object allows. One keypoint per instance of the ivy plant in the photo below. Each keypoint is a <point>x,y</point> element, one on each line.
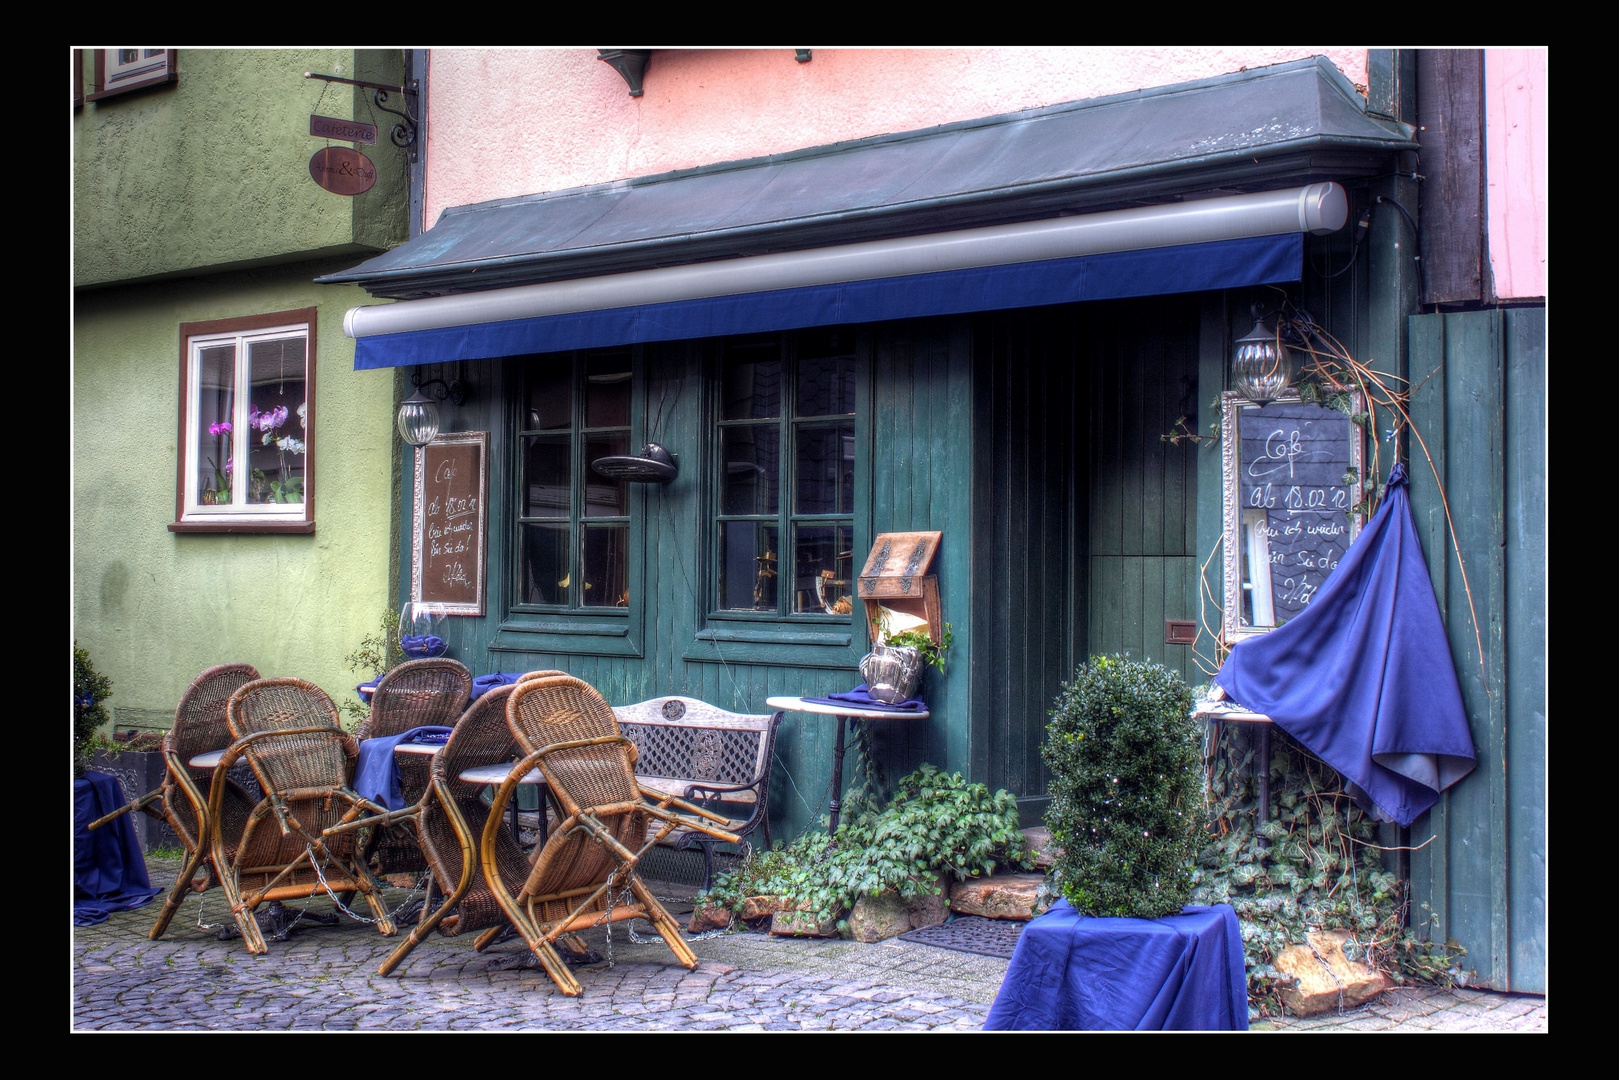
<point>937,825</point>
<point>1313,864</point>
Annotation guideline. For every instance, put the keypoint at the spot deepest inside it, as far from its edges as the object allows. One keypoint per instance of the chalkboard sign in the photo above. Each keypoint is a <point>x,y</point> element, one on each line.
<point>1292,479</point>
<point>447,555</point>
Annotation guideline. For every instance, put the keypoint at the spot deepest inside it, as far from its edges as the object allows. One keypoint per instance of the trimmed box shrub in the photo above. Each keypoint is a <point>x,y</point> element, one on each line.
<point>1126,789</point>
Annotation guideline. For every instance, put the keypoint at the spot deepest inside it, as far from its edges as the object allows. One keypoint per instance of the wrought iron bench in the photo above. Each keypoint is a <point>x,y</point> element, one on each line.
<point>717,759</point>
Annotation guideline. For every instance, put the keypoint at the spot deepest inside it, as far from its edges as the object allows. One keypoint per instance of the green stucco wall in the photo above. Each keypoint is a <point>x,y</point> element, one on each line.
<point>213,172</point>
<point>153,607</point>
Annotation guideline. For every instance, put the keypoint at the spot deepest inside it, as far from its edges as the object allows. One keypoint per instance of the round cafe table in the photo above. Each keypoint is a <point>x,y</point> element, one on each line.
<point>842,712</point>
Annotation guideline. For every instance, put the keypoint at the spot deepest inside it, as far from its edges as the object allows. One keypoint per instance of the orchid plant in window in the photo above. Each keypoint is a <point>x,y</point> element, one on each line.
<point>287,487</point>
<point>220,492</point>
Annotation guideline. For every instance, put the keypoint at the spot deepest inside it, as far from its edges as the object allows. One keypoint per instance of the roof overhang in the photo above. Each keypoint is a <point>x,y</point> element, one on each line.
<point>1285,125</point>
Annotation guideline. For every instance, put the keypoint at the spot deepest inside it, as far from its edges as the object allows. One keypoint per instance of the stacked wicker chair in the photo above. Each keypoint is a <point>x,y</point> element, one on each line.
<point>450,819</point>
<point>415,694</point>
<point>289,734</point>
<point>585,874</point>
<point>182,801</point>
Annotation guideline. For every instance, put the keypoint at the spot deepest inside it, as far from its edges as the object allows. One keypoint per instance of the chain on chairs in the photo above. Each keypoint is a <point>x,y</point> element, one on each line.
<point>287,731</point>
<point>585,874</point>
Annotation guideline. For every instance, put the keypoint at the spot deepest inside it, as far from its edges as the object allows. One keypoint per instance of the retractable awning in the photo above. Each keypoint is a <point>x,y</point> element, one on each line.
<point>1034,208</point>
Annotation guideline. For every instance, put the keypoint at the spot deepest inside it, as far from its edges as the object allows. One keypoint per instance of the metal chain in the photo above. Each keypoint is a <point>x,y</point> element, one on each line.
<point>315,865</point>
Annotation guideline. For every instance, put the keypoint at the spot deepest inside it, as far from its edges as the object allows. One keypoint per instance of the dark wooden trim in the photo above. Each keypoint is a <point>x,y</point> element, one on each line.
<point>169,75</point>
<point>1450,125</point>
<point>246,324</point>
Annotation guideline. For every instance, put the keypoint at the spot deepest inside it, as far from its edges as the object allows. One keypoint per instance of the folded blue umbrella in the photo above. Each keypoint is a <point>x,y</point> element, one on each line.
<point>1363,676</point>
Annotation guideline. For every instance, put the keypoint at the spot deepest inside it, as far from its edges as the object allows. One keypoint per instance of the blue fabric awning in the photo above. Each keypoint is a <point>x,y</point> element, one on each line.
<point>1226,264</point>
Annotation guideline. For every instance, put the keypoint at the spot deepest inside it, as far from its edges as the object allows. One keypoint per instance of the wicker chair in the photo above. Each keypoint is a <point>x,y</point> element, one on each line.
<point>182,801</point>
<point>288,732</point>
<point>450,819</point>
<point>414,694</point>
<point>585,874</point>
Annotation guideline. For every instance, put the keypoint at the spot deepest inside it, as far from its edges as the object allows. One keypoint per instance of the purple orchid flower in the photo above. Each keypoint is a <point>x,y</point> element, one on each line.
<point>221,428</point>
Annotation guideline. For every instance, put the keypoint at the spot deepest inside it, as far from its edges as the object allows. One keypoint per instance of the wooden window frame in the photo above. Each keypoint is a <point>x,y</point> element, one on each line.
<point>257,521</point>
<point>808,639</point>
<point>100,90</point>
<point>553,628</point>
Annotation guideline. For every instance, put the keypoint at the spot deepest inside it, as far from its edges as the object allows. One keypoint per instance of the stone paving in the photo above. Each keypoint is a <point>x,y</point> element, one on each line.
<point>325,978</point>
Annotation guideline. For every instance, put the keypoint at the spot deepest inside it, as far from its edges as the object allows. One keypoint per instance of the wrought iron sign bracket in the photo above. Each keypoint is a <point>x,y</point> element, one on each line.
<point>404,133</point>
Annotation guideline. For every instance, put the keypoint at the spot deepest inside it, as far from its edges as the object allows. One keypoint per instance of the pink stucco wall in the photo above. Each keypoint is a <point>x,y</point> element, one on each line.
<point>508,122</point>
<point>1516,154</point>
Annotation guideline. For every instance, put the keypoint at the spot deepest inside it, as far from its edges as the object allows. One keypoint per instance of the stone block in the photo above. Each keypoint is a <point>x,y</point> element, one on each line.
<point>1326,979</point>
<point>1040,846</point>
<point>878,918</point>
<point>1000,896</point>
<point>931,909</point>
<point>757,907</point>
<point>802,924</point>
<point>704,918</point>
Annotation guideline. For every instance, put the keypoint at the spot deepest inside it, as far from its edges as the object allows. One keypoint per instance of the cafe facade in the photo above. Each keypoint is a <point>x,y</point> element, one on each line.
<point>679,409</point>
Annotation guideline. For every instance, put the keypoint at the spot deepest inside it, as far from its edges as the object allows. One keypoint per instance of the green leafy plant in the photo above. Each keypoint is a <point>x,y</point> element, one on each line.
<point>1314,864</point>
<point>932,652</point>
<point>378,654</point>
<point>91,690</point>
<point>937,825</point>
<point>1126,790</point>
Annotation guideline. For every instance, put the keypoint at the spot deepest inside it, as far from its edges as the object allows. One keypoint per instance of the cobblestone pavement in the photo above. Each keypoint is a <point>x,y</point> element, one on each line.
<point>325,978</point>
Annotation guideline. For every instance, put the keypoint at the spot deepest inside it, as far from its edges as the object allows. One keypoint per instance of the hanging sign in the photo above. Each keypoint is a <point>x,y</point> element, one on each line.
<point>330,127</point>
<point>342,171</point>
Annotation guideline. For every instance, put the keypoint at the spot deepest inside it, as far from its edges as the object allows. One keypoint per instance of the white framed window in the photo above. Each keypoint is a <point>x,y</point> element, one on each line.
<point>132,67</point>
<point>247,423</point>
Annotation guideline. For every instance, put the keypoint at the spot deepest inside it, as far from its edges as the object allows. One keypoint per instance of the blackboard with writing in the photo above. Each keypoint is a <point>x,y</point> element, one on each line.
<point>447,553</point>
<point>1296,480</point>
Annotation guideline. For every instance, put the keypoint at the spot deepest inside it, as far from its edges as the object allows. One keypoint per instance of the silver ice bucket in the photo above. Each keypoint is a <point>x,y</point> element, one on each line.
<point>892,673</point>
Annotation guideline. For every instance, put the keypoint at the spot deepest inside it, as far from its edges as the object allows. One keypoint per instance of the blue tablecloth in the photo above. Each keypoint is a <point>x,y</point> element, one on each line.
<point>860,698</point>
<point>376,773</point>
<point>109,871</point>
<point>485,683</point>
<point>1071,972</point>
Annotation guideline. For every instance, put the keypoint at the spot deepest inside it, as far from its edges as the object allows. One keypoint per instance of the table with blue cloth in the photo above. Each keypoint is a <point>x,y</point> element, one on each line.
<point>109,871</point>
<point>1072,972</point>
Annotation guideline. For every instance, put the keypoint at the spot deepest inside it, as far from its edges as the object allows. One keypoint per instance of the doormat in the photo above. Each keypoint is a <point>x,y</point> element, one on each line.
<point>971,933</point>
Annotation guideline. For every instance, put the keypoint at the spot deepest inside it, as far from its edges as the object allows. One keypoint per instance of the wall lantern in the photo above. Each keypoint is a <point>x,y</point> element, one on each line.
<point>1261,366</point>
<point>629,63</point>
<point>418,414</point>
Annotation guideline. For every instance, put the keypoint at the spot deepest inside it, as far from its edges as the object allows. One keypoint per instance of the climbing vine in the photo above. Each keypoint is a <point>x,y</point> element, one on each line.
<point>1314,864</point>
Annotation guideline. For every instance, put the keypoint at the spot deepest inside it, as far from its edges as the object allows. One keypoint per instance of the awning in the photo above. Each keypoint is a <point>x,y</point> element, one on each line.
<point>970,216</point>
<point>1114,275</point>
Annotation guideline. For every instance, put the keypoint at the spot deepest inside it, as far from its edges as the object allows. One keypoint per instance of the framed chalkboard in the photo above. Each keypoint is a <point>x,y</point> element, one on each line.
<point>447,555</point>
<point>1293,475</point>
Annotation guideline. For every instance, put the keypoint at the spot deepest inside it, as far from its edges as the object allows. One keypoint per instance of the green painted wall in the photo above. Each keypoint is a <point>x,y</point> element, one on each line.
<point>213,172</point>
<point>154,607</point>
<point>193,202</point>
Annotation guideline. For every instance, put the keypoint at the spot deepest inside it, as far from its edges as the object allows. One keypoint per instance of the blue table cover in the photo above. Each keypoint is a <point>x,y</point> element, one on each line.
<point>1071,972</point>
<point>485,683</point>
<point>860,698</point>
<point>1363,676</point>
<point>109,871</point>
<point>376,773</point>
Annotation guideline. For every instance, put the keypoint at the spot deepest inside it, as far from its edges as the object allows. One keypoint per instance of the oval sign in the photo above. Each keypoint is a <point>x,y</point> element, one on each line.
<point>342,171</point>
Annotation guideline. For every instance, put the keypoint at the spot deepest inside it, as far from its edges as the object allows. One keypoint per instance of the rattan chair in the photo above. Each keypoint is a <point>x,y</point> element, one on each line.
<point>585,874</point>
<point>182,801</point>
<point>415,694</point>
<point>450,818</point>
<point>288,732</point>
